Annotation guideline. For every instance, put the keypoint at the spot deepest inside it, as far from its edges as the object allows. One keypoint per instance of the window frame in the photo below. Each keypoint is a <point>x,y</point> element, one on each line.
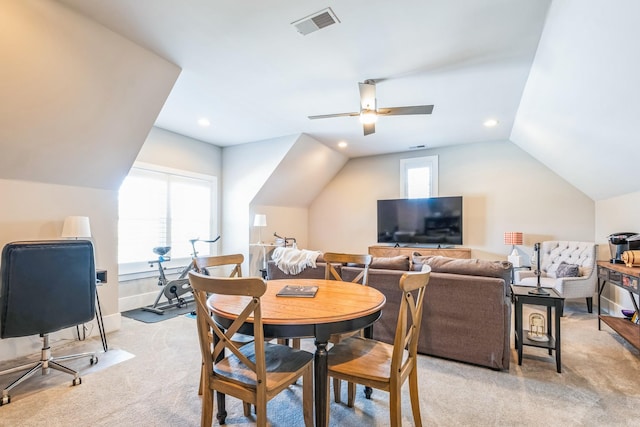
<point>148,268</point>
<point>430,162</point>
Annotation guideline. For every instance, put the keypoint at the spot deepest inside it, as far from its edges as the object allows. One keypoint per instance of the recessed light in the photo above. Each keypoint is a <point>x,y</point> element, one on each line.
<point>490,123</point>
<point>204,122</point>
<point>342,144</point>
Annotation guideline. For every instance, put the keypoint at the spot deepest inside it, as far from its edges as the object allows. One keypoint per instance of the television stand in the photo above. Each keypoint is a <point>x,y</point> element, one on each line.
<point>389,251</point>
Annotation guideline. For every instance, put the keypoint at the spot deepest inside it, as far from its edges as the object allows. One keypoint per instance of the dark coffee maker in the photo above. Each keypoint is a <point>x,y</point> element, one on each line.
<point>619,242</point>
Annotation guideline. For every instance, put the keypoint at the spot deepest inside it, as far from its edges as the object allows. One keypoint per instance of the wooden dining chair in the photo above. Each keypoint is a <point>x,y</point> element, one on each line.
<point>331,273</point>
<point>254,372</point>
<point>384,366</point>
<point>206,265</point>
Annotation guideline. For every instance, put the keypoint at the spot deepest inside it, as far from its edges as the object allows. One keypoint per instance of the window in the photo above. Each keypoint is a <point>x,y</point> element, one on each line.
<point>419,177</point>
<point>162,207</point>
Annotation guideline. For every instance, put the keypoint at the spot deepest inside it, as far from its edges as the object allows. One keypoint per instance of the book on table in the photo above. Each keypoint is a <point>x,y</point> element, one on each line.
<point>298,291</point>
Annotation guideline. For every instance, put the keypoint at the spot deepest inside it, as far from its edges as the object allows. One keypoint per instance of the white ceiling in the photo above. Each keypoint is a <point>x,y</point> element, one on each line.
<point>560,76</point>
<point>246,69</point>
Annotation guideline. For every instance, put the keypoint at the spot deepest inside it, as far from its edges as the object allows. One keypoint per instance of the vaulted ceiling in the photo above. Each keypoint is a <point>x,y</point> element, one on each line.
<point>557,75</point>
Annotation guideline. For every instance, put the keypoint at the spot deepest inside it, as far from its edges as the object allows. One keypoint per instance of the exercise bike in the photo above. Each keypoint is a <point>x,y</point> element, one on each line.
<point>174,290</point>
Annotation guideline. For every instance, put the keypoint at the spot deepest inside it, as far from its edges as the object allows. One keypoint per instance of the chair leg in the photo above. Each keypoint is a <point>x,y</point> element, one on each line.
<point>206,418</point>
<point>590,304</point>
<point>32,368</point>
<point>415,397</point>
<point>261,411</point>
<point>45,363</point>
<point>336,390</point>
<point>395,403</point>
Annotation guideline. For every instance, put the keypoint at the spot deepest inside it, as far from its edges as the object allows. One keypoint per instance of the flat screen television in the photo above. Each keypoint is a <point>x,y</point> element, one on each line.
<point>435,221</point>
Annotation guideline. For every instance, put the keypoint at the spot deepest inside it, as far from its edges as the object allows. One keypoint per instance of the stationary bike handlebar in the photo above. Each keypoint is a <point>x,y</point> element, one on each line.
<point>161,251</point>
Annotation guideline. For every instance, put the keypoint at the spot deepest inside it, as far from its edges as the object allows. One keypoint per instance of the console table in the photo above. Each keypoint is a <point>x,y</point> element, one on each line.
<point>626,278</point>
<point>389,251</point>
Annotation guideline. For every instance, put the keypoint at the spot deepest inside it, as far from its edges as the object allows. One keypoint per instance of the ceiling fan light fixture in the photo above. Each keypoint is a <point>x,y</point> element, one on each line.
<point>368,116</point>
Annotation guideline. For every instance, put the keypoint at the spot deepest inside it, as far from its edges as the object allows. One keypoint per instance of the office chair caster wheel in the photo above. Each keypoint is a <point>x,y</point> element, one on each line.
<point>93,360</point>
<point>5,400</point>
<point>77,381</point>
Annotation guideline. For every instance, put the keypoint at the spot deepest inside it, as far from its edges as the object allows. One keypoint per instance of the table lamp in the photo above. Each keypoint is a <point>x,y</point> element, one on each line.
<point>76,227</point>
<point>513,238</point>
<point>260,221</point>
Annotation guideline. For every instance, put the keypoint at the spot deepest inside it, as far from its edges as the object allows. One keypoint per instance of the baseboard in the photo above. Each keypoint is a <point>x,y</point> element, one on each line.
<point>137,301</point>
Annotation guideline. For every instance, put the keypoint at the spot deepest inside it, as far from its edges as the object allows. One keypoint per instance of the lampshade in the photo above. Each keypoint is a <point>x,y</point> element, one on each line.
<point>260,220</point>
<point>512,238</point>
<point>76,226</point>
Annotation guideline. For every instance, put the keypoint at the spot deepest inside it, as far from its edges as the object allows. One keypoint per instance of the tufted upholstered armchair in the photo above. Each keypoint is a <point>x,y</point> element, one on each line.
<point>552,253</point>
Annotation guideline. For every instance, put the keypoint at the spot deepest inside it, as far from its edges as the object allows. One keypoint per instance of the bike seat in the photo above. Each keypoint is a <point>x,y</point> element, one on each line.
<point>161,250</point>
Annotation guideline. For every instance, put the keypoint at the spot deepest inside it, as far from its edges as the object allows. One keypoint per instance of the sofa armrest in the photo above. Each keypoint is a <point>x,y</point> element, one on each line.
<point>577,287</point>
<point>467,318</point>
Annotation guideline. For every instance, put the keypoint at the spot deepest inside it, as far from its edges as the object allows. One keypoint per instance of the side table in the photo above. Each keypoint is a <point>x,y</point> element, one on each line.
<point>520,295</point>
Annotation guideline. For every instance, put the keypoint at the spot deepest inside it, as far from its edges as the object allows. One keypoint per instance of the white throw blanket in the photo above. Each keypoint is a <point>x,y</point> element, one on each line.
<point>293,261</point>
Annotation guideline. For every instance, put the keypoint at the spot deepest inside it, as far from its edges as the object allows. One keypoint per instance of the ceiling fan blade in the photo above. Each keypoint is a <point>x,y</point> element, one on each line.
<point>401,111</point>
<point>328,116</point>
<point>369,128</point>
<point>367,95</point>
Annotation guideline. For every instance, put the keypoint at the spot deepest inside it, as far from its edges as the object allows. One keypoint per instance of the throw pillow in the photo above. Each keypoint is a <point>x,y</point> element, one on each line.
<point>567,270</point>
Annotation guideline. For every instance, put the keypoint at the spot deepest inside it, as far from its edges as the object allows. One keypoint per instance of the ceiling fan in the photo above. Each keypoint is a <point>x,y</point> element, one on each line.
<point>369,112</point>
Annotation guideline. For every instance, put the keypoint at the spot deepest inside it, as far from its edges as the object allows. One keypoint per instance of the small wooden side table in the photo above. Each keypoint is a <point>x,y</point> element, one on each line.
<point>520,295</point>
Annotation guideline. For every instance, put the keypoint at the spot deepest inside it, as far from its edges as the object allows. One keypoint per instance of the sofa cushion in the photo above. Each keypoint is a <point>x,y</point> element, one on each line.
<point>400,262</point>
<point>472,267</point>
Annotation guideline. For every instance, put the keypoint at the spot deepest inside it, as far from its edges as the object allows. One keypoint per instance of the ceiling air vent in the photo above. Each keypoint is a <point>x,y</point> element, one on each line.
<point>315,21</point>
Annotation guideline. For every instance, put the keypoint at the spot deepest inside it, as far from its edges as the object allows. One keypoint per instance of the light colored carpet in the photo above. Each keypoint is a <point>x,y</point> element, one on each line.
<point>150,378</point>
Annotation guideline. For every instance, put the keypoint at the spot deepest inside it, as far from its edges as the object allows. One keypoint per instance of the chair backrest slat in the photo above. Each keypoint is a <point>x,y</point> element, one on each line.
<point>332,258</point>
<point>235,260</point>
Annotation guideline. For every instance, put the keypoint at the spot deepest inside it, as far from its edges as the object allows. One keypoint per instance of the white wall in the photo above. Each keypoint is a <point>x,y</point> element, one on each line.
<point>246,168</point>
<point>503,189</point>
<point>36,211</point>
<point>614,215</point>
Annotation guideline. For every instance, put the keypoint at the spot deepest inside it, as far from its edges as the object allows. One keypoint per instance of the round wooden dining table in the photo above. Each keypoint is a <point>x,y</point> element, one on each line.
<point>337,307</point>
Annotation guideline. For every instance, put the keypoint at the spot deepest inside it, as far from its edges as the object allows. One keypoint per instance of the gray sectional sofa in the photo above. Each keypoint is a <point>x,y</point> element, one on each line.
<point>467,312</point>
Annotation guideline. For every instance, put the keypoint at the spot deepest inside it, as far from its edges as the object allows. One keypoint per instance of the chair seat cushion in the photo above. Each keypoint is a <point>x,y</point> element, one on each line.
<point>281,362</point>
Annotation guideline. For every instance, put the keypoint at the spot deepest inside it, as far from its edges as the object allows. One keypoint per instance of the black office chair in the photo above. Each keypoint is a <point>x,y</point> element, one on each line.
<point>46,286</point>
